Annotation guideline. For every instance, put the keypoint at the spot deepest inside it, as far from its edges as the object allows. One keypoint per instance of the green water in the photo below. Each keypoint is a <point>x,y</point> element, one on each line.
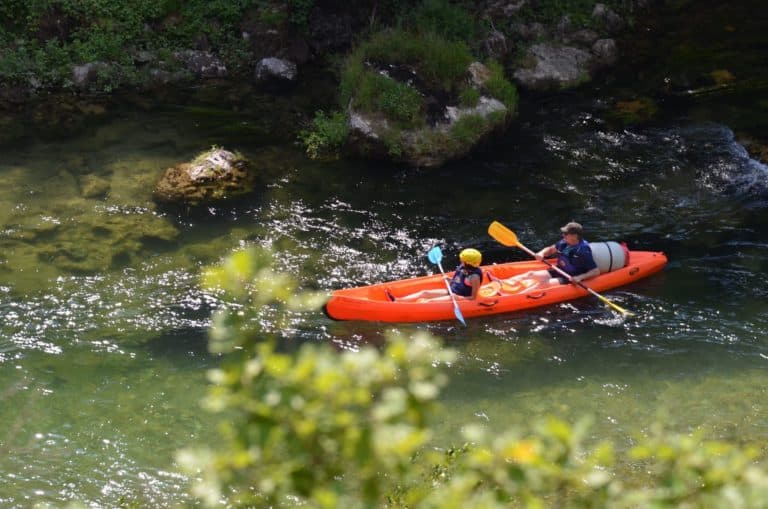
<point>103,327</point>
<point>103,355</point>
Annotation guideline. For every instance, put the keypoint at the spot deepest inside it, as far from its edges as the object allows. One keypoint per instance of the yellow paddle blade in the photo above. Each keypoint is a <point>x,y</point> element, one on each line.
<point>503,234</point>
<point>614,305</point>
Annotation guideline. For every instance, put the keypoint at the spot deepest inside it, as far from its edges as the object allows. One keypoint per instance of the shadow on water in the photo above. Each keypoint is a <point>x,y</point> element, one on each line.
<point>180,343</point>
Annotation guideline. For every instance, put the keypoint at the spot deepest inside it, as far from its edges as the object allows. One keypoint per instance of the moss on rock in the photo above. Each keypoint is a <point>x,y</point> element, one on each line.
<point>214,175</point>
<point>421,99</point>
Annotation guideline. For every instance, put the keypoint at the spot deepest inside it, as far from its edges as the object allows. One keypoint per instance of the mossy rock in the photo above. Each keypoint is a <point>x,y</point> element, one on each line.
<point>412,98</point>
<point>214,176</point>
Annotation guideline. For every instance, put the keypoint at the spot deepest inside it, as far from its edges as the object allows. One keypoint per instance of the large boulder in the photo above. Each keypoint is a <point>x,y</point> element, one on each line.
<point>554,66</point>
<point>422,107</point>
<point>275,71</point>
<point>454,133</point>
<point>86,75</point>
<point>214,176</point>
<point>201,64</point>
<point>429,146</point>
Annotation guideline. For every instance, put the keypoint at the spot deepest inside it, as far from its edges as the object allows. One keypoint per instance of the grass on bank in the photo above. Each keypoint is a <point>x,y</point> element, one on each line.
<point>440,63</point>
<point>44,39</point>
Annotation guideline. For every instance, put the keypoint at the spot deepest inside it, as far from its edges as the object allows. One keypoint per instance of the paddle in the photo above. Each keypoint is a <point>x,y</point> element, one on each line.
<point>435,256</point>
<point>507,237</point>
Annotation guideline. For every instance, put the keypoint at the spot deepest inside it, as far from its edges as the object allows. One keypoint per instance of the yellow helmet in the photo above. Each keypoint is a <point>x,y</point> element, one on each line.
<point>471,257</point>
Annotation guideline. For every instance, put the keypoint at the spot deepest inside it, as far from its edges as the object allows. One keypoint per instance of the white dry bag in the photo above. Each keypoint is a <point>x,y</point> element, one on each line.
<point>609,256</point>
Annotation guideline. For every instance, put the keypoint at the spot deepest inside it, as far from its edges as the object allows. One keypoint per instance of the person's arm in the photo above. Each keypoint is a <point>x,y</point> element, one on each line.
<point>587,275</point>
<point>475,281</point>
<point>546,252</point>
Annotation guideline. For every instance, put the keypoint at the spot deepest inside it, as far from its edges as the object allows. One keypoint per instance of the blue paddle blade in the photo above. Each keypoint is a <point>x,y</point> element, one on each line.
<point>459,316</point>
<point>435,255</point>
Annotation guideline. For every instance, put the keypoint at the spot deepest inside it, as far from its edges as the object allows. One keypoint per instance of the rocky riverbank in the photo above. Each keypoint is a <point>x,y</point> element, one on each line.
<point>72,65</point>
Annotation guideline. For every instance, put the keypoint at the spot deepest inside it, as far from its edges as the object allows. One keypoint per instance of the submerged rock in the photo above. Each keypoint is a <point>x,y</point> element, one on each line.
<point>94,186</point>
<point>756,148</point>
<point>633,111</point>
<point>88,241</point>
<point>215,175</point>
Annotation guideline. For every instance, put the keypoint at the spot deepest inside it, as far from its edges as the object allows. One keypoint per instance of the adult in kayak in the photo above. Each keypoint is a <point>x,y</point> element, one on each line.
<point>465,284</point>
<point>574,257</point>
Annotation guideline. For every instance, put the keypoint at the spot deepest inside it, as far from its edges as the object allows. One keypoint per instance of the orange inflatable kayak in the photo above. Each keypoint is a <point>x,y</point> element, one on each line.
<point>371,303</point>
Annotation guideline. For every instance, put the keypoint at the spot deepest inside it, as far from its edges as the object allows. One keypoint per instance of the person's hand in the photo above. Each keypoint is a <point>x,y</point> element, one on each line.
<point>539,256</point>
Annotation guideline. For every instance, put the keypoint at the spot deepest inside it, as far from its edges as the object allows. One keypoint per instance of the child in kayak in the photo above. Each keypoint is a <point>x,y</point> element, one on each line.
<point>464,285</point>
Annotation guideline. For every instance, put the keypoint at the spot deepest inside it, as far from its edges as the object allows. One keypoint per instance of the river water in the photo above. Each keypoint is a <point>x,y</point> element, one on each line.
<point>103,327</point>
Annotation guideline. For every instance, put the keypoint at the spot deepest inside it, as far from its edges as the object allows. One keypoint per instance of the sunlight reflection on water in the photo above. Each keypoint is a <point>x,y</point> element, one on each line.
<point>115,357</point>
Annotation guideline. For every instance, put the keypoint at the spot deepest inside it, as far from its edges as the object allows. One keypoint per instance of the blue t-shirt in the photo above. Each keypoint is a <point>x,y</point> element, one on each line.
<point>576,259</point>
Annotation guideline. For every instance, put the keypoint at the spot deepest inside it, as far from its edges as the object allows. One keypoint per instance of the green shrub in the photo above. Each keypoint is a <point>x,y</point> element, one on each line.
<point>500,87</point>
<point>453,21</point>
<point>109,31</point>
<point>440,63</point>
<point>579,11</point>
<point>299,12</point>
<point>399,101</point>
<point>373,92</point>
<point>311,426</point>
<point>468,129</point>
<point>469,97</point>
<point>326,134</point>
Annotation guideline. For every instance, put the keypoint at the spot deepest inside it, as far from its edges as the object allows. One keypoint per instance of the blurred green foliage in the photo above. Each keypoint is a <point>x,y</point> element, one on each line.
<point>318,428</point>
<point>314,426</point>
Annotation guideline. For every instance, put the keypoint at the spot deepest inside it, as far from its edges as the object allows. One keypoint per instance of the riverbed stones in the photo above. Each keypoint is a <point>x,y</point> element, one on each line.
<point>216,175</point>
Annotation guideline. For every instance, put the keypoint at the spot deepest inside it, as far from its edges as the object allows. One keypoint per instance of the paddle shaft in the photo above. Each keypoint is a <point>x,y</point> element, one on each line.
<point>558,269</point>
<point>456,309</point>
